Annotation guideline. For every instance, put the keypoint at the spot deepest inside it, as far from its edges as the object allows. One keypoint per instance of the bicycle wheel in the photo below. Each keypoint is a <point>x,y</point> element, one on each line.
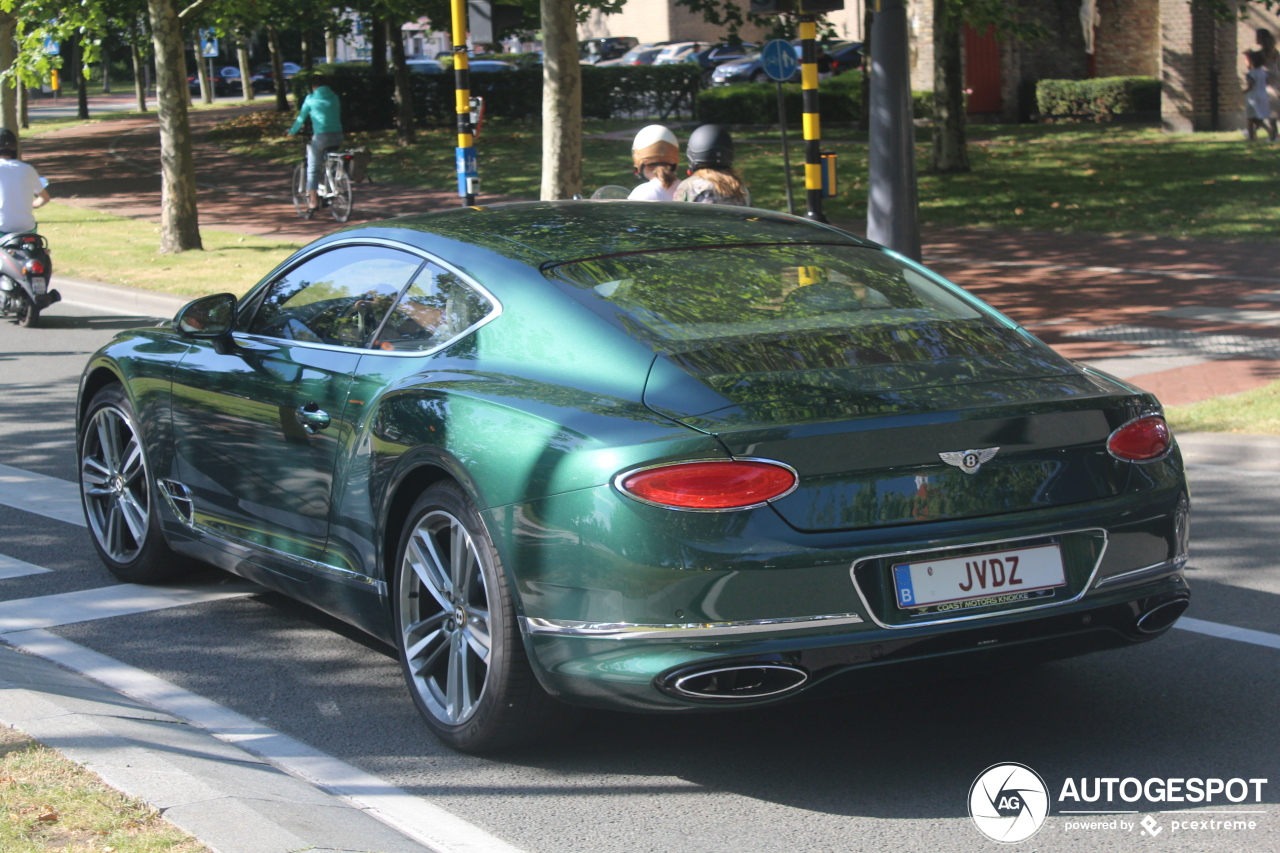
<point>299,189</point>
<point>340,201</point>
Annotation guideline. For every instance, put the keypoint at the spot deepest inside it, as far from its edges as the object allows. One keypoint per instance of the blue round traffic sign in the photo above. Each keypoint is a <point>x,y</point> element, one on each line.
<point>778,59</point>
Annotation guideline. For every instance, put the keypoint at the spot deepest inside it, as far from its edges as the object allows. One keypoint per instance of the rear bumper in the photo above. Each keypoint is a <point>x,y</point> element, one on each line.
<point>638,674</point>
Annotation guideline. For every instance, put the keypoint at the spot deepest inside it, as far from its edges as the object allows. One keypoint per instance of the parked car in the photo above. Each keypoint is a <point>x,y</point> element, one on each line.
<point>226,81</point>
<point>845,56</point>
<point>716,55</point>
<point>425,66</point>
<point>678,52</point>
<point>750,67</point>
<point>663,458</point>
<point>592,51</point>
<point>642,55</point>
<point>485,66</point>
<point>264,78</point>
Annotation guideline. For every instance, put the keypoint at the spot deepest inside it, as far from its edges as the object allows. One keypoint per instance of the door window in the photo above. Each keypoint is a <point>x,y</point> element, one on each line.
<point>338,297</point>
<point>437,308</point>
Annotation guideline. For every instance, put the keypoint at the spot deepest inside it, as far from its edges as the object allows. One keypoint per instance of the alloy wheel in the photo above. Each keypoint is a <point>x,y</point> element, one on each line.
<point>114,479</point>
<point>444,617</point>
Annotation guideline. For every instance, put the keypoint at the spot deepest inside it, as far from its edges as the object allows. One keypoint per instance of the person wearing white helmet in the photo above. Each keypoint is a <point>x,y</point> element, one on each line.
<point>656,156</point>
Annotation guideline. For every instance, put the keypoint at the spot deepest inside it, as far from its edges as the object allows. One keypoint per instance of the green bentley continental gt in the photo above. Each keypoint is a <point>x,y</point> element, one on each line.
<point>650,457</point>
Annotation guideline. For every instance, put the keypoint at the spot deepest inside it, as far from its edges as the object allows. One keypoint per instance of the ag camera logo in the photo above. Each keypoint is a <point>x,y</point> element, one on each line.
<point>1008,802</point>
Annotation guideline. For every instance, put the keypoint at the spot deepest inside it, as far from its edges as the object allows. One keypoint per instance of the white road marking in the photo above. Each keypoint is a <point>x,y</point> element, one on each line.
<point>86,605</point>
<point>1242,316</point>
<point>1229,632</point>
<point>411,815</point>
<point>12,567</point>
<point>47,496</point>
<point>1049,267</point>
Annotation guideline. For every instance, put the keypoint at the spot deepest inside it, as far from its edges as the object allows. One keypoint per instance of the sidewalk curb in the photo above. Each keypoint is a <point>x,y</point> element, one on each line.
<point>229,799</point>
<point>116,299</point>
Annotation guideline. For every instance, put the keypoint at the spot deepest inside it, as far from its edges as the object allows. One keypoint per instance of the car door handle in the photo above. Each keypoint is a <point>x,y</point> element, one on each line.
<point>312,418</point>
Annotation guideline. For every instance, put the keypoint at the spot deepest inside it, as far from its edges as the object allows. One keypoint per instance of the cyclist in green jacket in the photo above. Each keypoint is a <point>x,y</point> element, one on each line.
<point>322,107</point>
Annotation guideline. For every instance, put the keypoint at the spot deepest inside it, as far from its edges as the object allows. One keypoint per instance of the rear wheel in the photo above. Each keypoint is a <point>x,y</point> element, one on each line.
<point>117,489</point>
<point>28,314</point>
<point>460,647</point>
<point>340,204</point>
<point>299,189</point>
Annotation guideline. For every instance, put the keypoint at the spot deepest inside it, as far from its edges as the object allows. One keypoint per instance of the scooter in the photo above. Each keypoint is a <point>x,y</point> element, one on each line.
<point>25,269</point>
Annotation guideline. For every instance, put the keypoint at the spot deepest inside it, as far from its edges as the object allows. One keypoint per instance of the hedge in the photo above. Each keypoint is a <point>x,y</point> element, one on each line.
<point>1100,99</point>
<point>368,99</point>
<point>839,99</point>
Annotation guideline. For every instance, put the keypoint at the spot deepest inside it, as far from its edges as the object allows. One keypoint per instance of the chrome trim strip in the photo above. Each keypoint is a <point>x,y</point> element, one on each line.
<point>618,478</point>
<point>1088,585</point>
<point>1152,413</point>
<point>1166,567</point>
<point>680,630</point>
<point>403,247</point>
<point>333,572</point>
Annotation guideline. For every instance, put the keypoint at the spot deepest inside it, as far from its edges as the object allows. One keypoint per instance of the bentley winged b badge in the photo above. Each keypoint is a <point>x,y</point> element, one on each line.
<point>969,461</point>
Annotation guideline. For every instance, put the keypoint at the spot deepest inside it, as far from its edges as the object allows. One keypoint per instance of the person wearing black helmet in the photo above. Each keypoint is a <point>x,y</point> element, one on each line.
<point>712,179</point>
<point>21,189</point>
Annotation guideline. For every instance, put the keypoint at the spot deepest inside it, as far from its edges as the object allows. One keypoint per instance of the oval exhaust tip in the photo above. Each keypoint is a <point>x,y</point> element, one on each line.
<point>1162,616</point>
<point>739,681</point>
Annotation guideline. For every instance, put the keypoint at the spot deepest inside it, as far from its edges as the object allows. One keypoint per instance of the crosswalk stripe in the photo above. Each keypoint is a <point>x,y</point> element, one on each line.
<point>86,605</point>
<point>1229,632</point>
<point>47,496</point>
<point>12,567</point>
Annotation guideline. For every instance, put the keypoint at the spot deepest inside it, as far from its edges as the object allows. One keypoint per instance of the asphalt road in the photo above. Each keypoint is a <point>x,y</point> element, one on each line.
<point>883,771</point>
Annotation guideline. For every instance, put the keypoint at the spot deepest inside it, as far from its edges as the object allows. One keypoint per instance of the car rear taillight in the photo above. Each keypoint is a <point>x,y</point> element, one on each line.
<point>1142,440</point>
<point>734,484</point>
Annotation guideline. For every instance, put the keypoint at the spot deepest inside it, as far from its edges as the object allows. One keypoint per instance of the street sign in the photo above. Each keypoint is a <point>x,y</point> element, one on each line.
<point>51,47</point>
<point>468,173</point>
<point>778,59</point>
<point>209,42</point>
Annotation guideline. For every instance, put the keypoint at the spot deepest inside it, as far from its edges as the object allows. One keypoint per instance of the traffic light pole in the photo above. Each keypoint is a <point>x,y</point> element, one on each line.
<point>465,153</point>
<point>812,124</point>
<point>892,206</point>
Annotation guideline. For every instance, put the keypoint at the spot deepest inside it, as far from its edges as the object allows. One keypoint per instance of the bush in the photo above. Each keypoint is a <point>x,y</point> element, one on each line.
<point>1101,99</point>
<point>368,99</point>
<point>839,99</point>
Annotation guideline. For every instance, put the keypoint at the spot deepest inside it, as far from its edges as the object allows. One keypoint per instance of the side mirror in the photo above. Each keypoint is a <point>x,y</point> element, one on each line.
<point>207,317</point>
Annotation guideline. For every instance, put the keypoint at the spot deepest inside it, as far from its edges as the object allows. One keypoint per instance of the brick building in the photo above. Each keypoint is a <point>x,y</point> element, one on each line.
<point>663,20</point>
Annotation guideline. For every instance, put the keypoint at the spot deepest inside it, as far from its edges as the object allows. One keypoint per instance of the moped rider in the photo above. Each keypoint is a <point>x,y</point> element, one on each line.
<point>655,153</point>
<point>712,178</point>
<point>21,188</point>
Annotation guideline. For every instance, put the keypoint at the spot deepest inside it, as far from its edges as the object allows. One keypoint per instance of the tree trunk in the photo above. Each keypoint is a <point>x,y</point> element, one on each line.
<point>405,135</point>
<point>377,45</point>
<point>202,72</point>
<point>179,221</point>
<point>864,117</point>
<point>139,76</point>
<point>308,52</point>
<point>246,73</point>
<point>23,96</point>
<point>330,48</point>
<point>106,69</point>
<point>949,152</point>
<point>8,55</point>
<point>82,85</point>
<point>277,70</point>
<point>561,102</point>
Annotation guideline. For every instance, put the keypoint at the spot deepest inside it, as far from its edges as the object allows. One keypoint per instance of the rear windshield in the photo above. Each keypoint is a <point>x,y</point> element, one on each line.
<point>782,308</point>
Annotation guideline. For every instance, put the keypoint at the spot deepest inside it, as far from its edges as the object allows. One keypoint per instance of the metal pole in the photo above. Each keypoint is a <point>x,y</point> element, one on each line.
<point>786,153</point>
<point>892,214</point>
<point>812,125</point>
<point>468,180</point>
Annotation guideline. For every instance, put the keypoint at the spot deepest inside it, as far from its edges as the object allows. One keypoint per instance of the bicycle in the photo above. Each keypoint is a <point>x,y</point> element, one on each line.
<point>334,190</point>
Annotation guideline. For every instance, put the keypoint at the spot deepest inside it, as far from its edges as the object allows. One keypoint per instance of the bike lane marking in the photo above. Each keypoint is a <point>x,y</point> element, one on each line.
<point>1229,632</point>
<point>36,493</point>
<point>87,605</point>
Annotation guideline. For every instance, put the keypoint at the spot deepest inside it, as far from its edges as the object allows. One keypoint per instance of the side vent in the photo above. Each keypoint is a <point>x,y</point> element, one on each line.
<point>179,497</point>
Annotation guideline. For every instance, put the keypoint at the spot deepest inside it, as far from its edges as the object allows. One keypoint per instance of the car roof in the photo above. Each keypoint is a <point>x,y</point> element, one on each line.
<point>547,232</point>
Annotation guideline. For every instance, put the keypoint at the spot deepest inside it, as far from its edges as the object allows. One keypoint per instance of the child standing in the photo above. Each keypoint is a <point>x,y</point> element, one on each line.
<point>1257,105</point>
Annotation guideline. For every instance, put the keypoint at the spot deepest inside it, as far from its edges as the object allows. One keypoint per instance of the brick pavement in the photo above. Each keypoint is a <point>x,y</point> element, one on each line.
<point>1223,335</point>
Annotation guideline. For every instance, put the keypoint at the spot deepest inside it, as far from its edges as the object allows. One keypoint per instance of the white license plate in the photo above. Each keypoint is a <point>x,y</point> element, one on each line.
<point>1002,576</point>
<point>39,283</point>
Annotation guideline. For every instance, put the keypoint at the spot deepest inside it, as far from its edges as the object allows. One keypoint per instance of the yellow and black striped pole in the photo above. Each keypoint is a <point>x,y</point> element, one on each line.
<point>465,153</point>
<point>812,125</point>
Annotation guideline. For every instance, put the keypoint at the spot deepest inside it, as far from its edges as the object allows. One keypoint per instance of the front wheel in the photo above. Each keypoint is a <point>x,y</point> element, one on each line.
<point>340,204</point>
<point>299,189</point>
<point>460,647</point>
<point>117,489</point>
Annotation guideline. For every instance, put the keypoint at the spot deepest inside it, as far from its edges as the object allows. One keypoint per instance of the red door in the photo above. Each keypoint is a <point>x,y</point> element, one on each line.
<point>982,69</point>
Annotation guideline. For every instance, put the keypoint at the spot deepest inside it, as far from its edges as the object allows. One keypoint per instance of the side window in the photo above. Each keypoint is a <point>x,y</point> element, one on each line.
<point>338,297</point>
<point>435,309</point>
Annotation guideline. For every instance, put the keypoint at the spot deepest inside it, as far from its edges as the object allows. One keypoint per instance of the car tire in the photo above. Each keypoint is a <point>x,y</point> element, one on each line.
<point>461,651</point>
<point>119,495</point>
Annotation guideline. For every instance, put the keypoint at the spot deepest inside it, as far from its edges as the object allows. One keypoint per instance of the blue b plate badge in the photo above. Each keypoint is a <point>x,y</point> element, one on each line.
<point>979,580</point>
